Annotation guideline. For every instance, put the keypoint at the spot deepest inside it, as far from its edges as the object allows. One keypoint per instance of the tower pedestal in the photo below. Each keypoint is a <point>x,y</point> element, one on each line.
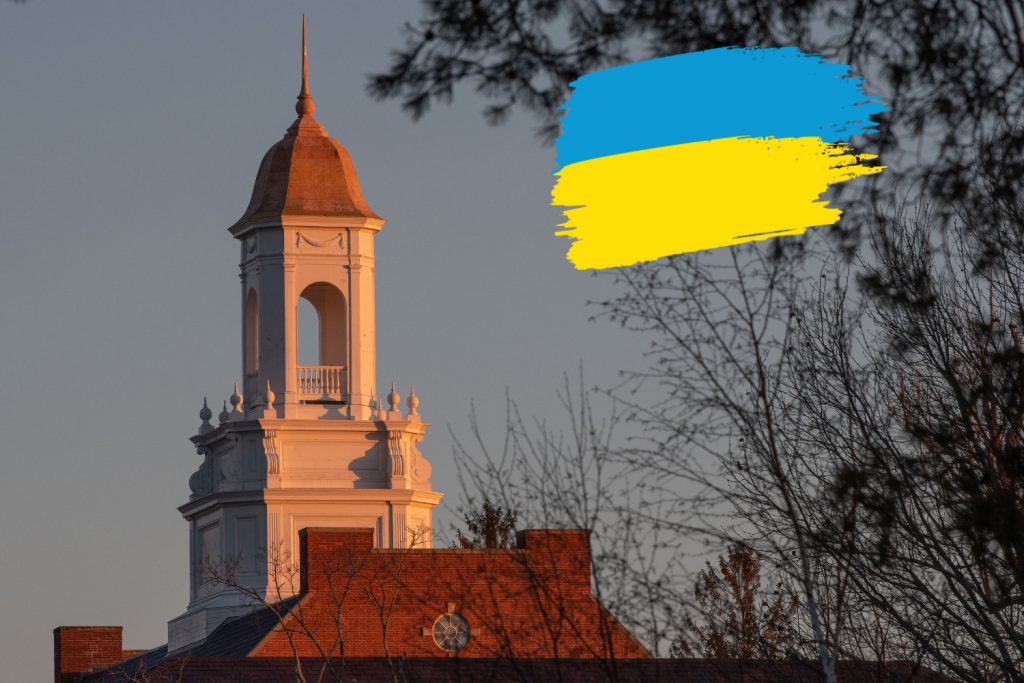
<point>263,480</point>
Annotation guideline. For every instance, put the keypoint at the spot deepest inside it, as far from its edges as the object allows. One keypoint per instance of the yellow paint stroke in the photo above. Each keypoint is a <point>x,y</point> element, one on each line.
<point>643,205</point>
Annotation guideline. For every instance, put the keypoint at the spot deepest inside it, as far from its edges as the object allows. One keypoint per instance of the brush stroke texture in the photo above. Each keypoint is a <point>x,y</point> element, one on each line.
<point>703,150</point>
<point>643,205</point>
<point>721,93</point>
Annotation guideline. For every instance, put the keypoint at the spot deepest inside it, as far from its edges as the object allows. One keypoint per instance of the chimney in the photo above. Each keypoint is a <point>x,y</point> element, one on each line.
<point>79,648</point>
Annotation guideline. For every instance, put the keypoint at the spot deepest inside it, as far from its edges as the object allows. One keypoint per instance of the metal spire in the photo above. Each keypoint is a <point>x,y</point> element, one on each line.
<point>305,106</point>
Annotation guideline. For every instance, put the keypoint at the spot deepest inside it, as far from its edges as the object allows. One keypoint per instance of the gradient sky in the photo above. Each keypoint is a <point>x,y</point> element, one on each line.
<point>130,136</point>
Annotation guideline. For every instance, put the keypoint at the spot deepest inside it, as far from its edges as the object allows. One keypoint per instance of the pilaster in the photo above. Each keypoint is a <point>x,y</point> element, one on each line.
<point>291,297</point>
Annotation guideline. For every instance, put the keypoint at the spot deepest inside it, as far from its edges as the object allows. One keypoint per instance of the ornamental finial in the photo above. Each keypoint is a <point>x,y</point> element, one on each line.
<point>377,409</point>
<point>305,106</point>
<point>236,400</point>
<point>205,414</point>
<point>394,398</point>
<point>412,402</point>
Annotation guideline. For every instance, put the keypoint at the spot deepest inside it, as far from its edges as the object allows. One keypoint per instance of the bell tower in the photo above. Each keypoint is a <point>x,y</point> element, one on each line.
<point>308,233</point>
<point>301,445</point>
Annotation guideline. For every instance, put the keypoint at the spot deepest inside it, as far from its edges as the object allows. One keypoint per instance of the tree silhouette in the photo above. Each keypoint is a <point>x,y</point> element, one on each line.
<point>952,71</point>
<point>737,626</point>
<point>490,528</point>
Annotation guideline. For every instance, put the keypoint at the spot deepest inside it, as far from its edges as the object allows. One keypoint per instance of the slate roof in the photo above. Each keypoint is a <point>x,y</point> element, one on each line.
<point>182,669</point>
<point>236,637</point>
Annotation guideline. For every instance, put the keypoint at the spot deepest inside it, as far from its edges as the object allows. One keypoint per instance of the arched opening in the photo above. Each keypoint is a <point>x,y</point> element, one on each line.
<point>307,334</point>
<point>252,344</point>
<point>323,377</point>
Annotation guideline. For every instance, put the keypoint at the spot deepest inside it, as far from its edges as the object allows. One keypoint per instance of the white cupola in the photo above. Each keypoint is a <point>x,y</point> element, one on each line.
<point>308,233</point>
<point>301,446</point>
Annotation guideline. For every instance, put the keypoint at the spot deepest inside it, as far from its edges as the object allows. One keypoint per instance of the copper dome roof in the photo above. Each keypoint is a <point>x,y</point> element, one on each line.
<point>307,173</point>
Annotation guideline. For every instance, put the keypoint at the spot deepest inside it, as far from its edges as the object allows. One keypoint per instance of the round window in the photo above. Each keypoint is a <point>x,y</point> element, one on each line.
<point>451,632</point>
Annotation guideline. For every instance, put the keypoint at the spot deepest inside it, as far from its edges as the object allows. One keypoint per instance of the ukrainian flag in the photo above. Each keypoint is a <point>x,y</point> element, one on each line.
<point>704,150</point>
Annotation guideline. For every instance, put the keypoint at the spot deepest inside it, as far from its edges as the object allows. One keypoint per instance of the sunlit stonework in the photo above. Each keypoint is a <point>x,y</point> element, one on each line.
<point>302,445</point>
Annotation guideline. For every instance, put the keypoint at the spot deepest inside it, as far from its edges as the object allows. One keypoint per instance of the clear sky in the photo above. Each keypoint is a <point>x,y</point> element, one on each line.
<point>130,136</point>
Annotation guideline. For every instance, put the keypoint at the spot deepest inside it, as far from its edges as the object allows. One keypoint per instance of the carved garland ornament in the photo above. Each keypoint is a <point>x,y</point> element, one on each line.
<point>300,238</point>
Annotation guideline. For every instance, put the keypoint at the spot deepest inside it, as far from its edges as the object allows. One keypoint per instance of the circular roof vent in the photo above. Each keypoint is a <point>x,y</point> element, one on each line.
<point>451,632</point>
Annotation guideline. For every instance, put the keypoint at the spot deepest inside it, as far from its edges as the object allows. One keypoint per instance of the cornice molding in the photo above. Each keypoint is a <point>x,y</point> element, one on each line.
<point>242,229</point>
<point>290,495</point>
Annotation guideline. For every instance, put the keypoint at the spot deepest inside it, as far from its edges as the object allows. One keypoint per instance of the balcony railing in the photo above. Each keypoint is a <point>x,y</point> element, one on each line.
<point>321,382</point>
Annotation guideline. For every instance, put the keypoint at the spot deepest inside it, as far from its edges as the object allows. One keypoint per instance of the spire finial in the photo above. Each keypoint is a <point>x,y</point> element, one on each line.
<point>236,401</point>
<point>412,402</point>
<point>205,414</point>
<point>305,77</point>
<point>393,400</point>
<point>305,106</point>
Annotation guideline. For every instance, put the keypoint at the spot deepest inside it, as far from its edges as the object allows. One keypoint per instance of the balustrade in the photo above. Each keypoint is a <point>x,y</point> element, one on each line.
<point>320,381</point>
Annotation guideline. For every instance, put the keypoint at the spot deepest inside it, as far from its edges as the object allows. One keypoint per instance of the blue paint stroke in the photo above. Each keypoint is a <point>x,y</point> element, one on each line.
<point>721,93</point>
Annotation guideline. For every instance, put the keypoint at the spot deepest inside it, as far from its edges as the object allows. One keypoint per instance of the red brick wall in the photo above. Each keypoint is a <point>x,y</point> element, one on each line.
<point>77,648</point>
<point>530,602</point>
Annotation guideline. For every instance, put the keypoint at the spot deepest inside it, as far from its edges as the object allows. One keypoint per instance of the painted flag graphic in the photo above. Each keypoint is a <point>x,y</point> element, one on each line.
<point>704,150</point>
